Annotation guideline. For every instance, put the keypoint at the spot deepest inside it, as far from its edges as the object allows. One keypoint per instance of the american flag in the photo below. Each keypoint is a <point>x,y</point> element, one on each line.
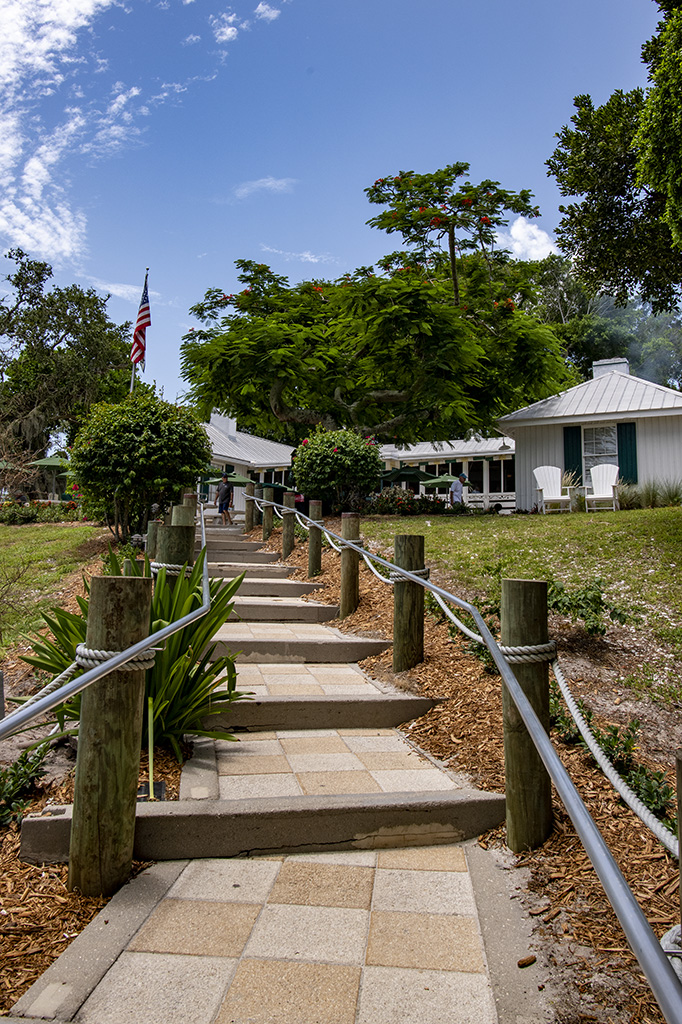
<point>144,319</point>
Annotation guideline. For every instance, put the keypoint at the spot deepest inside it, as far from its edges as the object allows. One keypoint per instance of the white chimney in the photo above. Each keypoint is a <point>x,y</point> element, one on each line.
<point>602,366</point>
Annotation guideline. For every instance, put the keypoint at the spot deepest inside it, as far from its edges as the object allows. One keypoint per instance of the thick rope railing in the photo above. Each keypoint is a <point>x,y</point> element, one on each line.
<point>644,944</point>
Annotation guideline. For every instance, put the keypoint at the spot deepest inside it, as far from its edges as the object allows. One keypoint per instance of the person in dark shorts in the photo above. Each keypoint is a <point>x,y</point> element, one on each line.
<point>224,499</point>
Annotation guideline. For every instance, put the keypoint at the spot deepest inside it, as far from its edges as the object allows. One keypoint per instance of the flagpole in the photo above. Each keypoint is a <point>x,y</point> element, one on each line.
<point>132,379</point>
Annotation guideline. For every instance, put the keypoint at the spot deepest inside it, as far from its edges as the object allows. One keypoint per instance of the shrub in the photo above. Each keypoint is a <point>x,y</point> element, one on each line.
<point>338,466</point>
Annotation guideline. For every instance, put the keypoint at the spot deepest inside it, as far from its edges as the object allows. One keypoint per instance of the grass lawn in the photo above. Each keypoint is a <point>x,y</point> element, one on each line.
<point>636,554</point>
<point>33,561</point>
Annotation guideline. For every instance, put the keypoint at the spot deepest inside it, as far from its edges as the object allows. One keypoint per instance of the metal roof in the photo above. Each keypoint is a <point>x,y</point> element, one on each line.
<point>231,445</point>
<point>613,395</point>
<point>449,451</point>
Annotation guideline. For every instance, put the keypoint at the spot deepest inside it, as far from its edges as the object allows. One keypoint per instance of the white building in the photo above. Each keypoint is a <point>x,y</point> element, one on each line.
<point>245,454</point>
<point>614,417</point>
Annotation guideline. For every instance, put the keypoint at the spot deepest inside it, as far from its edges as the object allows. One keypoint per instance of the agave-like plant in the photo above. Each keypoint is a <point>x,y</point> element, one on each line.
<point>187,684</point>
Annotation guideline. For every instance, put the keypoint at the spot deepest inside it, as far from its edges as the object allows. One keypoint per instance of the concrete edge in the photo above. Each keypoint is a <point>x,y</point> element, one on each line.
<point>522,995</point>
<point>355,711</point>
<point>60,992</point>
<point>199,776</point>
<point>232,828</point>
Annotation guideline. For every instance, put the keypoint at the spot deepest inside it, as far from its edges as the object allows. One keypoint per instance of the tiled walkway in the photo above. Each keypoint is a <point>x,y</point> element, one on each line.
<point>356,937</point>
<point>303,679</point>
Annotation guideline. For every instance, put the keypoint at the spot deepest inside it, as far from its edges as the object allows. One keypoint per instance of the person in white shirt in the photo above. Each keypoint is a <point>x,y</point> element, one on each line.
<point>457,488</point>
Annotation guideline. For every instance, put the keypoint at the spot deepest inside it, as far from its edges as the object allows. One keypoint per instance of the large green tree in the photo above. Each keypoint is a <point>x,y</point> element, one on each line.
<point>431,345</point>
<point>140,451</point>
<point>620,163</point>
<point>59,354</point>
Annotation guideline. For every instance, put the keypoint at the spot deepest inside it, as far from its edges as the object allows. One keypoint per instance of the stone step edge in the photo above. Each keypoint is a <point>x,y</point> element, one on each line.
<point>188,829</point>
<point>347,711</point>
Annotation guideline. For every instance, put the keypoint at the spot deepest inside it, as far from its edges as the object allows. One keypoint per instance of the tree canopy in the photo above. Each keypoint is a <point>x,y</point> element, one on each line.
<point>623,162</point>
<point>135,453</point>
<point>59,354</point>
<point>411,351</point>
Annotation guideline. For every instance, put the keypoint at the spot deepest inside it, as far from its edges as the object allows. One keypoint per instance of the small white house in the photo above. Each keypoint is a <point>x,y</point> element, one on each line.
<point>613,418</point>
<point>245,454</point>
<point>488,463</point>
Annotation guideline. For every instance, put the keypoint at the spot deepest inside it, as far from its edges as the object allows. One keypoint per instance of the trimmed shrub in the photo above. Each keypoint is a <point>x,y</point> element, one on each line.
<point>338,466</point>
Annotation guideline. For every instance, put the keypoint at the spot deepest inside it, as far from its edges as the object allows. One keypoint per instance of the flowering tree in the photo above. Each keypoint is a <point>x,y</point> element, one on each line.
<point>337,463</point>
<point>426,209</point>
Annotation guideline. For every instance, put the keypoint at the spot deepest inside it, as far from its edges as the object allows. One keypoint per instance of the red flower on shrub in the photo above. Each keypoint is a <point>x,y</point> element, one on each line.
<point>485,220</point>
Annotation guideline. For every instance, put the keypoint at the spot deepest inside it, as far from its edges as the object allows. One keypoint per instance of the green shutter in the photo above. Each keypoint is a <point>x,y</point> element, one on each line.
<point>627,452</point>
<point>573,452</point>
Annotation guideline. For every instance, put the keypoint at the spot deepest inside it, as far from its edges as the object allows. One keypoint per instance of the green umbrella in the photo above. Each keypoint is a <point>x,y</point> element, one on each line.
<point>441,481</point>
<point>53,462</point>
<point>238,481</point>
<point>410,474</point>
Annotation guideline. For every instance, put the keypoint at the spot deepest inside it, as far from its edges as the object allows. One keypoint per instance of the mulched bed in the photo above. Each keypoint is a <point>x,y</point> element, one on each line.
<point>575,928</point>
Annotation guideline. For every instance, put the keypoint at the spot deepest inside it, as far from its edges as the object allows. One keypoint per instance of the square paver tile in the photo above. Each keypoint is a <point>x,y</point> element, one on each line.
<point>428,892</point>
<point>244,787</point>
<point>393,760</point>
<point>278,992</point>
<point>398,996</point>
<point>300,677</point>
<point>253,765</point>
<point>313,745</point>
<point>282,668</point>
<point>413,781</point>
<point>197,927</point>
<point>320,783</point>
<point>449,857</point>
<point>324,762</point>
<point>228,880</point>
<point>322,884</point>
<point>371,744</point>
<point>436,942</point>
<point>248,746</point>
<point>339,688</point>
<point>330,934</point>
<point>296,733</point>
<point>366,732</point>
<point>364,858</point>
<point>146,988</point>
<point>332,669</point>
<point>294,689</point>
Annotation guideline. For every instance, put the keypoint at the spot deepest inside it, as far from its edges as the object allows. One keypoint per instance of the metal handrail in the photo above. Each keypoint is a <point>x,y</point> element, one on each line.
<point>22,716</point>
<point>660,975</point>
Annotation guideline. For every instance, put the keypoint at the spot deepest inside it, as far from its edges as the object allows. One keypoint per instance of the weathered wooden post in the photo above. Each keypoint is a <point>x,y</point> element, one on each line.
<point>408,604</point>
<point>175,546</point>
<point>190,498</point>
<point>183,515</point>
<point>315,539</point>
<point>523,622</point>
<point>350,565</point>
<point>257,514</point>
<point>152,528</point>
<point>288,522</point>
<point>268,495</point>
<point>109,739</point>
<point>250,508</point>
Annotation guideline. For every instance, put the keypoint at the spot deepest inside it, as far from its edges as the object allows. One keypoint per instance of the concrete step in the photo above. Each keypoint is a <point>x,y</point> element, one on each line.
<point>252,570</point>
<point>220,553</point>
<point>347,711</point>
<point>276,587</point>
<point>282,609</point>
<point>229,544</point>
<point>176,830</point>
<point>293,642</point>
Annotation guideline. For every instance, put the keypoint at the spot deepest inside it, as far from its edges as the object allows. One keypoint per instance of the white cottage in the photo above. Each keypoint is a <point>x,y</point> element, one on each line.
<point>245,454</point>
<point>614,417</point>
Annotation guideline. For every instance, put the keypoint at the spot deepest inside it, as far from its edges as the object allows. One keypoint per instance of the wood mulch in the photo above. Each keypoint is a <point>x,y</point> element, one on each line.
<point>575,929</point>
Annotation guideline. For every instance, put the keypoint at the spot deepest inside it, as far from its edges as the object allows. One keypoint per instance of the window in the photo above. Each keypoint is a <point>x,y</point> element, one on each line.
<point>475,475</point>
<point>509,475</point>
<point>600,445</point>
<point>495,476</point>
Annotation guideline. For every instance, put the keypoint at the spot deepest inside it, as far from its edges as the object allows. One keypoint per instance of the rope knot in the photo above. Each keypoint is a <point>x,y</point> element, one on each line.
<point>530,653</point>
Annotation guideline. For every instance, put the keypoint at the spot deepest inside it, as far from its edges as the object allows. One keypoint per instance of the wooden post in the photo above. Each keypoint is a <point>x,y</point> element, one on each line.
<point>109,739</point>
<point>678,761</point>
<point>152,527</point>
<point>249,510</point>
<point>350,565</point>
<point>183,515</point>
<point>190,498</point>
<point>175,546</point>
<point>315,540</point>
<point>523,621</point>
<point>408,605</point>
<point>257,514</point>
<point>288,522</point>
<point>268,495</point>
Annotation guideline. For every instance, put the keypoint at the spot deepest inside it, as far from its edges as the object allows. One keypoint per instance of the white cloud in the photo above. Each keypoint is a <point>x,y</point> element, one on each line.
<point>127,292</point>
<point>300,257</point>
<point>190,40</point>
<point>269,184</point>
<point>224,28</point>
<point>526,241</point>
<point>266,12</point>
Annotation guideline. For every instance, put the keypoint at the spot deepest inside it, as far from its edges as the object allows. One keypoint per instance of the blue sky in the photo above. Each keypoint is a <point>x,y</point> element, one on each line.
<point>185,134</point>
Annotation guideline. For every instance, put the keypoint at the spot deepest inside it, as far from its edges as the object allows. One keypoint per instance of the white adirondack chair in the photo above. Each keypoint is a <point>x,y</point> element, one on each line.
<point>548,484</point>
<point>604,488</point>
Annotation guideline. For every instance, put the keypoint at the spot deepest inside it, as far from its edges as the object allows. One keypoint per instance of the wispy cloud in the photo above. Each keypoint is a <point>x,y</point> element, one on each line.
<point>526,241</point>
<point>56,108</point>
<point>247,188</point>
<point>127,292</point>
<point>300,257</point>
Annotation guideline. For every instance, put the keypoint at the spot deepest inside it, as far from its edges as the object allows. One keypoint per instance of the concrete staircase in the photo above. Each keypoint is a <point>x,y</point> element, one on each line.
<point>319,764</point>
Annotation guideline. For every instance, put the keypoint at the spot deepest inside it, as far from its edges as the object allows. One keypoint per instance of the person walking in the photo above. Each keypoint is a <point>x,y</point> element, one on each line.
<point>457,489</point>
<point>224,499</point>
